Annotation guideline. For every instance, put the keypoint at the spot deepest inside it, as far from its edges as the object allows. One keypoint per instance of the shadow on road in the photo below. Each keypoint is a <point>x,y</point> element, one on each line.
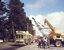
<point>17,45</point>
<point>13,47</point>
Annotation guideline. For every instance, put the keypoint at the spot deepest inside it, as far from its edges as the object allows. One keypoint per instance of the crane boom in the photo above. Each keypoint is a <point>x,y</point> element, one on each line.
<point>50,26</point>
<point>39,27</point>
<point>37,24</point>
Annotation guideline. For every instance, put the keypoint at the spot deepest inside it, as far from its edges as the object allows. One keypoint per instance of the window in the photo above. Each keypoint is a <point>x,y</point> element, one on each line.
<point>17,36</point>
<point>58,36</point>
<point>21,36</point>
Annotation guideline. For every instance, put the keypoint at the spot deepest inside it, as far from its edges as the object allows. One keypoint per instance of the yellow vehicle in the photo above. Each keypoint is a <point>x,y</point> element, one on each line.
<point>23,37</point>
<point>55,38</point>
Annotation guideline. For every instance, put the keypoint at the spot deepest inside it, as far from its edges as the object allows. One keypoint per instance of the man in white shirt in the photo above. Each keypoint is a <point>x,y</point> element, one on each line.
<point>45,42</point>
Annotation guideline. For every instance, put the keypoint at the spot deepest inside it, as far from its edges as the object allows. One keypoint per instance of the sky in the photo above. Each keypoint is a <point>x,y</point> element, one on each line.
<point>52,10</point>
<point>35,7</point>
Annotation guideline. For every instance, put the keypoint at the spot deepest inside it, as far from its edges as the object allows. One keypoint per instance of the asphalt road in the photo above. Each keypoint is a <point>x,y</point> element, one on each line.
<point>35,47</point>
<point>10,46</point>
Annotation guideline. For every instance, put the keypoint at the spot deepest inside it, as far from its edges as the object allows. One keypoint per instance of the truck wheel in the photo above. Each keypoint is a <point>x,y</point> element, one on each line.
<point>58,43</point>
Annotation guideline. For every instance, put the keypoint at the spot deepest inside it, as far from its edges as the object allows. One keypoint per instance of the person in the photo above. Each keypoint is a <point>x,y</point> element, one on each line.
<point>42,42</point>
<point>45,42</point>
<point>48,43</point>
<point>39,43</point>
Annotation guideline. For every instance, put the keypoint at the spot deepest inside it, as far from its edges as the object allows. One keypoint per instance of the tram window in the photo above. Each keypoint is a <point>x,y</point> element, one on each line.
<point>17,36</point>
<point>21,36</point>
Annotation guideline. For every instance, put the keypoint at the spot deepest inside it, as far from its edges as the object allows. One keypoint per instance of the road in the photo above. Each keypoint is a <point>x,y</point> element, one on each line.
<point>35,47</point>
<point>12,46</point>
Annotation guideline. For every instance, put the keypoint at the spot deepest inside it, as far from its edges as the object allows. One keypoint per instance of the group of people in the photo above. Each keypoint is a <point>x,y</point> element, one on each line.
<point>43,42</point>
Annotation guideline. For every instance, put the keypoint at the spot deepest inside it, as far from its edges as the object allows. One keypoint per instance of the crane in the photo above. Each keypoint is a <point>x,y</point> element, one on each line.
<point>39,27</point>
<point>54,37</point>
<point>37,24</point>
<point>50,26</point>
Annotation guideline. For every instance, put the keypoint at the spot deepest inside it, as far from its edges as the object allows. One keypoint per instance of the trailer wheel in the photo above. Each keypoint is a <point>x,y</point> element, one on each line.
<point>58,43</point>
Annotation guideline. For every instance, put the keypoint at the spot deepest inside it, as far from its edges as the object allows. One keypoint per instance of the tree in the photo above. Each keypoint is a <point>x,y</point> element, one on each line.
<point>17,19</point>
<point>29,25</point>
<point>2,19</point>
<point>18,16</point>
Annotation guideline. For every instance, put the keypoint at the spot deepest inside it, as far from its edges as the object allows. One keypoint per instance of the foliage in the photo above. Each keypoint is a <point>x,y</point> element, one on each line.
<point>14,20</point>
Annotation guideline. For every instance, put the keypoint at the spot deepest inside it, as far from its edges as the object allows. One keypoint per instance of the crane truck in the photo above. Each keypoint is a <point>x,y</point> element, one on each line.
<point>57,39</point>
